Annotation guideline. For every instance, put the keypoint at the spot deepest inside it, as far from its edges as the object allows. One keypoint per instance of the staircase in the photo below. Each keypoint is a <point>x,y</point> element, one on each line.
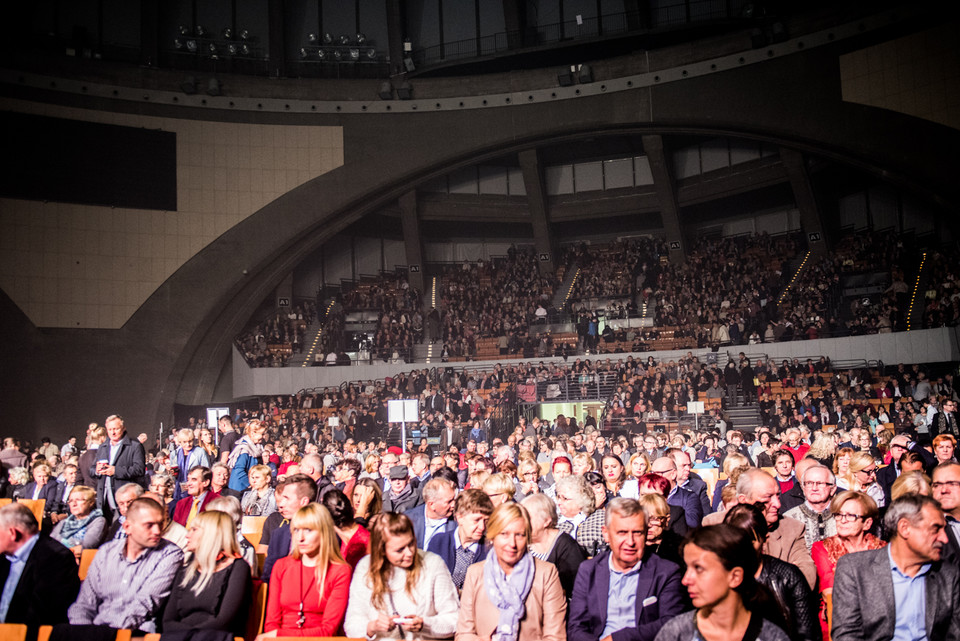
<point>311,343</point>
<point>562,294</point>
<point>743,418</point>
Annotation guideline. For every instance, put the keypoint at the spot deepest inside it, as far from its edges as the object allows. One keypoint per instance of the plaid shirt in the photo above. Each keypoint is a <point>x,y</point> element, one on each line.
<point>590,533</point>
<point>127,594</point>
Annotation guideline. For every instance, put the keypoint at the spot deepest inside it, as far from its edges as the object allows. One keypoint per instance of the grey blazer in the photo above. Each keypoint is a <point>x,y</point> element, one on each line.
<point>863,602</point>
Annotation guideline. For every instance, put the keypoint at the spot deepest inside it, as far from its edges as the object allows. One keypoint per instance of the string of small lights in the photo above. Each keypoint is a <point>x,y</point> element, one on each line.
<point>794,279</point>
<point>916,286</point>
<point>316,341</point>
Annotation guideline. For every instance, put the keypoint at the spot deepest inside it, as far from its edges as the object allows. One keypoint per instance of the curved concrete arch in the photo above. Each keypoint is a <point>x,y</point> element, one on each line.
<point>174,347</point>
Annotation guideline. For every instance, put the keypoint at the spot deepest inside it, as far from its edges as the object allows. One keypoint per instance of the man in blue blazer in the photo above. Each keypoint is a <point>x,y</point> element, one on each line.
<point>463,546</point>
<point>620,593</point>
<point>433,515</point>
<point>119,460</point>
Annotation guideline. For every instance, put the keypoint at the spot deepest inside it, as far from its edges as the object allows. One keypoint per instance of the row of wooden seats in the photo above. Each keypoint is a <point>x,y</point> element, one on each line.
<point>36,506</point>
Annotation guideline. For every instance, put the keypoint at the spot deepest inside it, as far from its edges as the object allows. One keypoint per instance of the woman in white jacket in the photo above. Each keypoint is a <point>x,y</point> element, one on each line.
<point>398,591</point>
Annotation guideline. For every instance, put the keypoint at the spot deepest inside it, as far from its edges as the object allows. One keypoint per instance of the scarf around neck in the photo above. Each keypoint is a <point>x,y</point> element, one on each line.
<point>244,446</point>
<point>508,593</point>
<point>73,529</point>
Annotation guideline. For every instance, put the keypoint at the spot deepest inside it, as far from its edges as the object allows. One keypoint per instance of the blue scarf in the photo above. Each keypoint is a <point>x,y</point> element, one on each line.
<point>73,529</point>
<point>508,593</point>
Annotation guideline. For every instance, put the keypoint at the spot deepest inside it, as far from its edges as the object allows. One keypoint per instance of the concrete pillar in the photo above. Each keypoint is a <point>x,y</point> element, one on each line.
<point>395,37</point>
<point>662,171</point>
<point>811,220</point>
<point>537,203</point>
<point>411,238</point>
<point>277,67</point>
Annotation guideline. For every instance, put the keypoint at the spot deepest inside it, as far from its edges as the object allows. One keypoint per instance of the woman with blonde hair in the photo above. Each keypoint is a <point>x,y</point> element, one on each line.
<point>863,468</point>
<point>308,589</point>
<point>84,529</point>
<point>212,590</point>
<point>661,540</point>
<point>583,463</point>
<point>732,462</point>
<point>246,454</point>
<point>260,500</point>
<point>841,467</point>
<point>910,483</point>
<point>500,488</point>
<point>512,594</point>
<point>206,442</point>
<point>398,589</point>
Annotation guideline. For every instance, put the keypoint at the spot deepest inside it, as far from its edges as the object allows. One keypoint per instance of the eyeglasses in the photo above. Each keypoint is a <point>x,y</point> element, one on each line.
<point>872,472</point>
<point>817,484</point>
<point>951,484</point>
<point>846,517</point>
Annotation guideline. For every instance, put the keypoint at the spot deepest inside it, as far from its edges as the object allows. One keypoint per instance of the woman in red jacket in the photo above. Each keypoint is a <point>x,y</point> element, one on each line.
<point>308,589</point>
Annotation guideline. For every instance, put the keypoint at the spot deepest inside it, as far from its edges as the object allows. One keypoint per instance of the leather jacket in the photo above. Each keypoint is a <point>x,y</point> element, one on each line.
<point>797,602</point>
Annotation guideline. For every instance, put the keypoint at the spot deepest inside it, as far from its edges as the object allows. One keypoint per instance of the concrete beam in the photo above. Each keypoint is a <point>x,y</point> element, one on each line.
<point>537,201</point>
<point>810,219</point>
<point>666,189</point>
<point>411,238</point>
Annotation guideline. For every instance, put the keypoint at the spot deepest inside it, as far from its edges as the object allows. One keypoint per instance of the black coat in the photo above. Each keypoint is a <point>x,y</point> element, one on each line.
<point>131,464</point>
<point>48,586</point>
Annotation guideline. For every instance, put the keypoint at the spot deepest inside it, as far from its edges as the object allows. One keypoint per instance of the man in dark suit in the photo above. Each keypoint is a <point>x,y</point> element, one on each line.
<point>688,480</point>
<point>119,460</point>
<point>900,445</point>
<point>433,516</point>
<point>615,595</point>
<point>946,489</point>
<point>41,572</point>
<point>42,487</point>
<point>198,490</point>
<point>904,587</point>
<point>462,546</point>
<point>665,467</point>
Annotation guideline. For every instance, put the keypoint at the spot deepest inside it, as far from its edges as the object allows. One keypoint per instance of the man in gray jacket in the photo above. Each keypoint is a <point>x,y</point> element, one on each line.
<point>904,588</point>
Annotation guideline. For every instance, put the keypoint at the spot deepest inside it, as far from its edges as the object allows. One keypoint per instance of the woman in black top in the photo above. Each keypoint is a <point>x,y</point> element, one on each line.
<point>212,591</point>
<point>549,544</point>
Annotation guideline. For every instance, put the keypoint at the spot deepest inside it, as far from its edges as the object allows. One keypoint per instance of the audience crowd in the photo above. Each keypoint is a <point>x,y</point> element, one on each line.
<point>826,521</point>
<point>272,342</point>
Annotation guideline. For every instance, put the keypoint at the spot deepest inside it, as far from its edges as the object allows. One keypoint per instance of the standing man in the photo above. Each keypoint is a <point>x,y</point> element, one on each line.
<point>95,438</point>
<point>188,457</point>
<point>619,595</point>
<point>903,590</point>
<point>130,578</point>
<point>38,576</point>
<point>120,460</point>
<point>228,437</point>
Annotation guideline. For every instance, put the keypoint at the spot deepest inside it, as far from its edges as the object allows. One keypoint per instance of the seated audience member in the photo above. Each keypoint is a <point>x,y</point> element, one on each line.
<point>946,489</point>
<point>402,496</point>
<point>246,454</point>
<point>125,495</point>
<point>661,540</point>
<point>944,448</point>
<point>399,590</point>
<point>198,496</point>
<point>721,581</point>
<point>230,506</point>
<point>915,482</point>
<point>259,500</point>
<point>464,545</point>
<point>549,544</point>
<point>354,538</point>
<point>500,488</point>
<point>70,480</point>
<point>213,590</point>
<point>309,588</point>
<point>620,593</point>
<point>787,585</point>
<point>785,540</point>
<point>162,485</point>
<point>576,504</point>
<point>298,490</point>
<point>172,531</point>
<point>433,515</point>
<point>38,576</point>
<point>863,468</point>
<point>903,590</point>
<point>17,479</point>
<point>43,486</point>
<point>367,500</point>
<point>130,579</point>
<point>855,513</point>
<point>86,526</point>
<point>819,485</point>
<point>219,478</point>
<point>730,463</point>
<point>656,484</point>
<point>511,594</point>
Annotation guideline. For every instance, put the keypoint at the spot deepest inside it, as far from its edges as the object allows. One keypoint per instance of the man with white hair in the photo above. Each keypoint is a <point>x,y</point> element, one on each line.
<point>188,457</point>
<point>819,485</point>
<point>786,537</point>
